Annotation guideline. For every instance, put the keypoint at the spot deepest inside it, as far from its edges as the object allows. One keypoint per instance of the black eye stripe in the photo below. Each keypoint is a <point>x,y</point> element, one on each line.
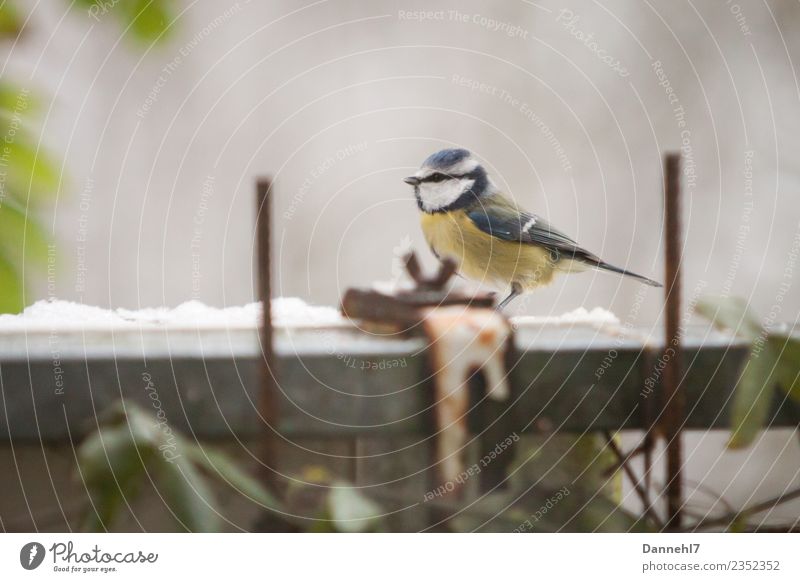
<point>437,177</point>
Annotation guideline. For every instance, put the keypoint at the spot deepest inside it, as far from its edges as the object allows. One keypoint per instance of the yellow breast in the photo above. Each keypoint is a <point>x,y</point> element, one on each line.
<point>482,257</point>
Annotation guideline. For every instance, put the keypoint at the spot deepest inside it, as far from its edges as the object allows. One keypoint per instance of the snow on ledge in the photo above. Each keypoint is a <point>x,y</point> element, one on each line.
<point>66,315</point>
<point>286,312</point>
<point>597,316</point>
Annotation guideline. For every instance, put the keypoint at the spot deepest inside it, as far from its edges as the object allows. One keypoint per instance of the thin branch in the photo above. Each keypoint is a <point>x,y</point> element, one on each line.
<point>622,461</point>
<point>729,518</point>
<point>697,486</point>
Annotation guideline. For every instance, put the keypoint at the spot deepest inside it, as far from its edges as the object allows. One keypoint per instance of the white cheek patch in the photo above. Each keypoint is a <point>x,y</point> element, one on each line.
<point>438,195</point>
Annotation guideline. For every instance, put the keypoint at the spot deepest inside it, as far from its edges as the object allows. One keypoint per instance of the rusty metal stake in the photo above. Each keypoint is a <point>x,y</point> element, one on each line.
<point>674,397</point>
<point>266,367</point>
<point>649,441</point>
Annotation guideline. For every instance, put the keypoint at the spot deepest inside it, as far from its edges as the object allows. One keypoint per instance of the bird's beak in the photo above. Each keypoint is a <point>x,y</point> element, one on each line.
<point>412,180</point>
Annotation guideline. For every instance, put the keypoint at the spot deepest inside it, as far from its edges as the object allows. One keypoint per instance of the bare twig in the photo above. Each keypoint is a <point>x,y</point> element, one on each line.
<point>711,493</point>
<point>644,496</point>
<point>633,453</point>
<point>729,518</point>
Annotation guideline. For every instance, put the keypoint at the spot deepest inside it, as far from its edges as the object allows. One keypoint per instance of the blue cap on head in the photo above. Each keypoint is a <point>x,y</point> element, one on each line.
<point>446,158</point>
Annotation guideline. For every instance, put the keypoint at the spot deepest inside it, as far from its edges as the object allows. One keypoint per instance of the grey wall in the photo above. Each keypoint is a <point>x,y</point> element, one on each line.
<point>165,158</point>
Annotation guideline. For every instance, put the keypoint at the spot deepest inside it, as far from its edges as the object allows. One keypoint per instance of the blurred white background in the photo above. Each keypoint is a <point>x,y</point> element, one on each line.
<point>339,100</point>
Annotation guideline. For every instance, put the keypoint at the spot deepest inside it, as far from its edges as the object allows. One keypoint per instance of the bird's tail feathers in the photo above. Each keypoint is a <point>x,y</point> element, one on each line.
<point>603,266</point>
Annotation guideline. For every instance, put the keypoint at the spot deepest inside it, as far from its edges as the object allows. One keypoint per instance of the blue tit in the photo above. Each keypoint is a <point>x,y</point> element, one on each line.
<point>466,217</point>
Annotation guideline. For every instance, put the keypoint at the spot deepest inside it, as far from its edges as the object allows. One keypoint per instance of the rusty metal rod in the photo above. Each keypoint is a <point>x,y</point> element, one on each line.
<point>674,396</point>
<point>266,366</point>
<point>649,440</point>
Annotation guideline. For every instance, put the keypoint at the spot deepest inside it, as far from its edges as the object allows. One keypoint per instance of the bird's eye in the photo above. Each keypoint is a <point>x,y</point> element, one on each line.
<point>436,177</point>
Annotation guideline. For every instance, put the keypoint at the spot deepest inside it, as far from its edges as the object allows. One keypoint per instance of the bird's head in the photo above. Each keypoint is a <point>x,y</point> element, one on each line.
<point>448,180</point>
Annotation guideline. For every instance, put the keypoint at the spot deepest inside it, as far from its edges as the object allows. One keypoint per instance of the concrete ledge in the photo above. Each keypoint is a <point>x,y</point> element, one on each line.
<point>339,381</point>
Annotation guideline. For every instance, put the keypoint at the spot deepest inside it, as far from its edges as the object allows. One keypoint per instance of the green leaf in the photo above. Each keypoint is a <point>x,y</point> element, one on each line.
<point>788,372</point>
<point>218,464</point>
<point>730,314</point>
<point>22,240</point>
<point>115,458</point>
<point>25,176</point>
<point>351,511</point>
<point>102,511</point>
<point>106,454</point>
<point>774,360</point>
<point>143,426</point>
<point>31,174</point>
<point>188,495</point>
<point>10,21</point>
<point>110,465</point>
<point>11,289</point>
<point>754,394</point>
<point>149,19</point>
<point>14,99</point>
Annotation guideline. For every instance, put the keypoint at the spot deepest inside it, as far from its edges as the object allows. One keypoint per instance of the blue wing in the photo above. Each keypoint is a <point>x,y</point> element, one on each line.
<point>513,225</point>
<point>505,222</point>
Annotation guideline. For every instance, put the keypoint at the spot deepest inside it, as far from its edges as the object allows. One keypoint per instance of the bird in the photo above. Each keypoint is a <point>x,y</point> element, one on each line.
<point>465,217</point>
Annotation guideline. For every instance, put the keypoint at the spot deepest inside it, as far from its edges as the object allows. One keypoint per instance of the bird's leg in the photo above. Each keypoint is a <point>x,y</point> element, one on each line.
<point>516,289</point>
